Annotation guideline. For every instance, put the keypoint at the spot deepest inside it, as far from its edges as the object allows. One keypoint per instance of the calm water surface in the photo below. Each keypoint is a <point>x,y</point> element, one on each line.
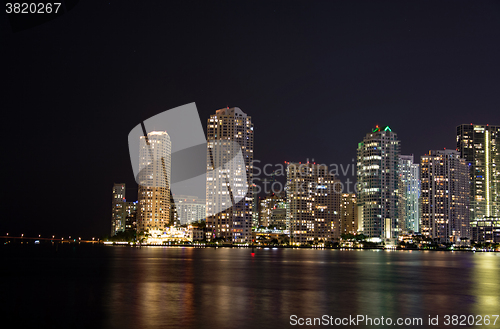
<point>124,287</point>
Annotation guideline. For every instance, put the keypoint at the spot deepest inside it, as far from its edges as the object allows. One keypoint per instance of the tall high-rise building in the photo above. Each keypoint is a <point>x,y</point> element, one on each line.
<point>348,214</point>
<point>378,184</point>
<point>445,196</point>
<point>233,224</point>
<point>154,190</point>
<point>313,203</point>
<point>118,214</point>
<point>190,208</point>
<point>479,145</point>
<point>409,195</point>
<point>123,216</point>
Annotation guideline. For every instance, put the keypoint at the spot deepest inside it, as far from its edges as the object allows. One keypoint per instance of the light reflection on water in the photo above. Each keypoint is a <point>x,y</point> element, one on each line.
<point>125,287</point>
<point>485,284</point>
<point>228,288</point>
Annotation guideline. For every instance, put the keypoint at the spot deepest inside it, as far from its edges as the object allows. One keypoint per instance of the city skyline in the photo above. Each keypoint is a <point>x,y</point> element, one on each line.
<point>388,201</point>
<point>251,164</point>
<point>423,70</point>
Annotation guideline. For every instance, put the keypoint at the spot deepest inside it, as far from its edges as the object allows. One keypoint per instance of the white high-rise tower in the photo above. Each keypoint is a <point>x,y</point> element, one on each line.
<point>154,189</point>
<point>232,222</point>
<point>409,195</point>
<point>378,184</point>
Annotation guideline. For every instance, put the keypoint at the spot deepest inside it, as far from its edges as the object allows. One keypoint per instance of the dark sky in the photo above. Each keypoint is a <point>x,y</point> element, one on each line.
<point>315,77</point>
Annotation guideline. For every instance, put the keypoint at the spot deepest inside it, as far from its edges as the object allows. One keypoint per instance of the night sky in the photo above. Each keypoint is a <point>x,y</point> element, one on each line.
<point>314,76</point>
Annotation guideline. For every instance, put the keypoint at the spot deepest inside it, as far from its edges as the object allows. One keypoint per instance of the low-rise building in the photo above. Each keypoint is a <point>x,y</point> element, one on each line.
<point>486,230</point>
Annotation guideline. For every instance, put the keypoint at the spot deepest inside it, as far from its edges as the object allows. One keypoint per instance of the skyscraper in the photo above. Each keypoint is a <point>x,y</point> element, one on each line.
<point>409,195</point>
<point>123,216</point>
<point>445,196</point>
<point>313,204</point>
<point>378,184</point>
<point>233,224</point>
<point>479,145</point>
<point>154,190</point>
<point>118,214</point>
<point>348,214</point>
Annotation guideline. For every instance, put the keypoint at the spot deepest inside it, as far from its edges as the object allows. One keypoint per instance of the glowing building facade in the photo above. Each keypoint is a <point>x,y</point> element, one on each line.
<point>118,214</point>
<point>153,211</point>
<point>378,184</point>
<point>227,218</point>
<point>445,196</point>
<point>348,214</point>
<point>269,205</point>
<point>479,145</point>
<point>313,204</point>
<point>409,195</point>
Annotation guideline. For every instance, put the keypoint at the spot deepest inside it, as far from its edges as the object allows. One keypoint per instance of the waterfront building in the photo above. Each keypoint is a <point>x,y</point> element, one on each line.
<point>348,214</point>
<point>313,204</point>
<point>226,218</point>
<point>154,190</point>
<point>378,184</point>
<point>409,195</point>
<point>130,216</point>
<point>479,145</point>
<point>486,230</point>
<point>445,196</point>
<point>118,213</point>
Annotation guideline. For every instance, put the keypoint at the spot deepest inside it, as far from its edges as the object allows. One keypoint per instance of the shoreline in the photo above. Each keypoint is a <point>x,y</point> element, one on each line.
<point>291,247</point>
